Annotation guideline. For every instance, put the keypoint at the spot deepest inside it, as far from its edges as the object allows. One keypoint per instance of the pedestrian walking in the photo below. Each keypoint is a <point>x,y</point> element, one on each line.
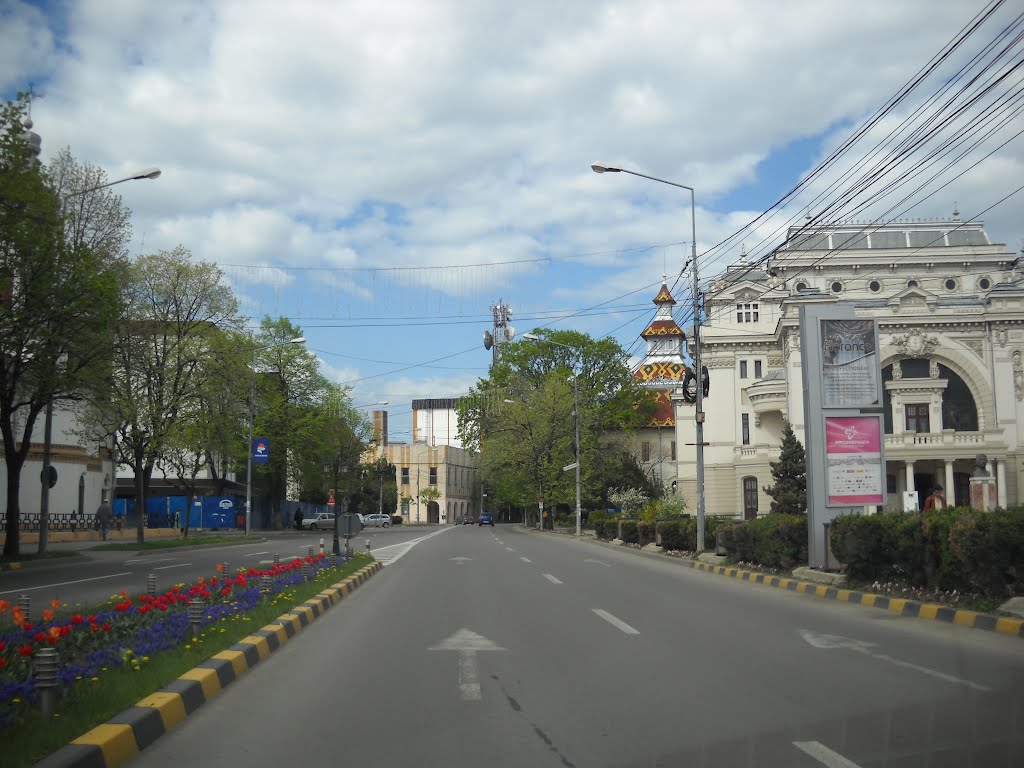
<point>936,500</point>
<point>103,518</point>
<point>298,519</point>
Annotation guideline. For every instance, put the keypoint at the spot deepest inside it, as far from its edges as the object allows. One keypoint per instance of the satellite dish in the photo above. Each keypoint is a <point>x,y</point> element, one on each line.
<point>488,340</point>
<point>510,333</point>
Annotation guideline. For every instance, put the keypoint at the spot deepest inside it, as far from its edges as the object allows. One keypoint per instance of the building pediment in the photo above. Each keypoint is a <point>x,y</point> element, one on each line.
<point>913,298</point>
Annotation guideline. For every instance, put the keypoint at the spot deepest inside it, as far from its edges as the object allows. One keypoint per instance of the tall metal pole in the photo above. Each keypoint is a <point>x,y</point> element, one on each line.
<point>248,449</point>
<point>698,416</point>
<point>576,398</point>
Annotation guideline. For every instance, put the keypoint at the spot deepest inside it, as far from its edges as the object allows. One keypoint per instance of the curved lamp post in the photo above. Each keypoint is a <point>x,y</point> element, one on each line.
<point>698,416</point>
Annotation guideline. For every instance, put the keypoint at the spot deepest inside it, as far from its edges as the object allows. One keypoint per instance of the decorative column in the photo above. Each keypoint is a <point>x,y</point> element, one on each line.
<point>1001,484</point>
<point>950,488</point>
<point>910,476</point>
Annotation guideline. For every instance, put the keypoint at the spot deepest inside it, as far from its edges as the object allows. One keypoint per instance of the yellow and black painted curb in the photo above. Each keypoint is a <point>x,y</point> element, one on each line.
<point>10,566</point>
<point>129,732</point>
<point>899,605</point>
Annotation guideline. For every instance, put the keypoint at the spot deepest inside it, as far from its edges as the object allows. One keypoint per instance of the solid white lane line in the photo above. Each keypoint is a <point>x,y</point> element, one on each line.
<point>824,755</point>
<point>616,622</point>
<point>147,560</point>
<point>64,583</point>
<point>165,567</point>
<point>551,578</point>
<point>253,554</point>
<point>526,559</point>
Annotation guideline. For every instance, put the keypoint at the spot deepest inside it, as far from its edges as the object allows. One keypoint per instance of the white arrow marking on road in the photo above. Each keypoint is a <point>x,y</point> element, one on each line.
<point>838,641</point>
<point>599,562</point>
<point>467,643</point>
<point>823,754</point>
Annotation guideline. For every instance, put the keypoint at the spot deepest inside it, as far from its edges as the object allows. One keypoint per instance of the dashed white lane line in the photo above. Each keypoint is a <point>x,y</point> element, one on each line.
<point>824,755</point>
<point>526,559</point>
<point>510,549</point>
<point>615,621</point>
<point>165,567</point>
<point>254,554</point>
<point>552,579</point>
<point>64,583</point>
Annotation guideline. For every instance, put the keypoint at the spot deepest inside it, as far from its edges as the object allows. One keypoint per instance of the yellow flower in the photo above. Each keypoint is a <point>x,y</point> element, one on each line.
<point>145,658</point>
<point>95,679</point>
<point>15,701</point>
<point>188,647</point>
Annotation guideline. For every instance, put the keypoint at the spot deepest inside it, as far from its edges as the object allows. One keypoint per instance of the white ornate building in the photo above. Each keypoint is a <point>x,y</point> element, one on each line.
<point>950,306</point>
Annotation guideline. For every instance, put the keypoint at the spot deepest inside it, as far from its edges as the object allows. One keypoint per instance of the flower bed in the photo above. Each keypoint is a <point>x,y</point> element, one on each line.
<point>127,632</point>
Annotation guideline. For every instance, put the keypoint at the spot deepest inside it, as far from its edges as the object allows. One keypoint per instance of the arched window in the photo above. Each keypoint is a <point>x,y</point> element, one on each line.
<point>749,498</point>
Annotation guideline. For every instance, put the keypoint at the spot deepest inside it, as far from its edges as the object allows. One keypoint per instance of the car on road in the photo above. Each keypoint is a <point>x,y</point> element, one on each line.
<point>467,519</point>
<point>486,519</point>
<point>377,520</point>
<point>318,521</point>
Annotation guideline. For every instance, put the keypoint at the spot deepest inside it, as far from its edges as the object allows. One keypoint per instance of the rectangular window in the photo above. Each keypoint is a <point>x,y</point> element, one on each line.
<point>645,451</point>
<point>745,418</point>
<point>405,475</point>
<point>673,450</point>
<point>433,475</point>
<point>743,369</point>
<point>757,369</point>
<point>890,483</point>
<point>746,313</point>
<point>917,417</point>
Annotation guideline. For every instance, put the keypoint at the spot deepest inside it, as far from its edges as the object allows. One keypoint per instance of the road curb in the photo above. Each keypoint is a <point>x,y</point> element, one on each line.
<point>129,732</point>
<point>10,567</point>
<point>898,605</point>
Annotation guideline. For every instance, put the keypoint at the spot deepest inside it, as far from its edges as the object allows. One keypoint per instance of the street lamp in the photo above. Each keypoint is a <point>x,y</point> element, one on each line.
<point>252,405</point>
<point>698,416</point>
<point>576,419</point>
<point>46,474</point>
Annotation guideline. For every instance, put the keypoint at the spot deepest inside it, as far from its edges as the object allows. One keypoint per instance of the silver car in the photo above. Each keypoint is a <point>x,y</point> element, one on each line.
<point>319,521</point>
<point>377,520</point>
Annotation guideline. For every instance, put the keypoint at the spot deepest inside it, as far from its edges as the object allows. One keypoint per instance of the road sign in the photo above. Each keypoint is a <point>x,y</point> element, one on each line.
<point>260,450</point>
<point>567,467</point>
<point>53,476</point>
<point>350,525</point>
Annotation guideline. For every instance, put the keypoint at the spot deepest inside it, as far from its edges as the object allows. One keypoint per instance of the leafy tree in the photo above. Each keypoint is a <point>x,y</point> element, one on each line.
<point>291,395</point>
<point>629,500</point>
<point>789,494</point>
<point>58,293</point>
<point>427,494</point>
<point>521,417</point>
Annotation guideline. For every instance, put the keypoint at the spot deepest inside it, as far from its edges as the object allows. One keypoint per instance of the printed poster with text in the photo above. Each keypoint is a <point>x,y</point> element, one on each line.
<point>849,362</point>
<point>853,465</point>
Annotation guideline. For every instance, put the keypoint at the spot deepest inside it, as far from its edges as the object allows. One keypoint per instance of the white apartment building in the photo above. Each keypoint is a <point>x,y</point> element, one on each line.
<point>950,306</point>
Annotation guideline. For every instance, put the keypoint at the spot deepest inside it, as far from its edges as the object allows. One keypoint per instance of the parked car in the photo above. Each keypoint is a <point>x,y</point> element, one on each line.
<point>319,521</point>
<point>377,520</point>
<point>486,519</point>
<point>467,519</point>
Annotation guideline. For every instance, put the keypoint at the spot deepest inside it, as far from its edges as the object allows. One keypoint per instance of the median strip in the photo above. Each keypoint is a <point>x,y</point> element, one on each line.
<point>132,730</point>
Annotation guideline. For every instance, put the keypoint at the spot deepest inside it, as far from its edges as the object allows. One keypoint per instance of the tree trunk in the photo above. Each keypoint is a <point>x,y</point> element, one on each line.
<point>140,494</point>
<point>44,499</point>
<point>188,511</point>
<point>12,543</point>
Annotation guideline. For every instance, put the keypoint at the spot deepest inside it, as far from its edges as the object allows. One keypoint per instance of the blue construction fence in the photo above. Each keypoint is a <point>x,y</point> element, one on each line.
<point>208,512</point>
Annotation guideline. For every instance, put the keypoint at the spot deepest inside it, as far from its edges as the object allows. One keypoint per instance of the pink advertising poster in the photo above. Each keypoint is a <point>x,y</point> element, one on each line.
<point>853,467</point>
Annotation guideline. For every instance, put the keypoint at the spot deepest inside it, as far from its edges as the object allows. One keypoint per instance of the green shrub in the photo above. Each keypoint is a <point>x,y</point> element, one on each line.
<point>594,517</point>
<point>645,532</point>
<point>630,534</point>
<point>396,519</point>
<point>776,541</point>
<point>679,534</point>
<point>606,529</point>
<point>991,549</point>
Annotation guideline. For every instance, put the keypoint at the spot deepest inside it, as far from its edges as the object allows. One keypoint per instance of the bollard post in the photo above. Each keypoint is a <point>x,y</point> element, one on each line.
<point>321,545</point>
<point>25,603</point>
<point>265,584</point>
<point>195,615</point>
<point>307,570</point>
<point>151,585</point>
<point>227,568</point>
<point>310,550</point>
<point>367,546</point>
<point>44,665</point>
<point>277,558</point>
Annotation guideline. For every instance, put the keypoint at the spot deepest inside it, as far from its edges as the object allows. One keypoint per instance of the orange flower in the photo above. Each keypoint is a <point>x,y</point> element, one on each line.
<point>55,604</point>
<point>17,615</point>
<point>47,615</point>
<point>54,633</point>
<point>4,605</point>
<point>124,593</point>
<point>220,567</point>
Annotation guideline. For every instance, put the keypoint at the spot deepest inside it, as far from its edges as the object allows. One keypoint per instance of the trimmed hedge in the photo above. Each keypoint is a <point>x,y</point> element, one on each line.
<point>776,541</point>
<point>948,549</point>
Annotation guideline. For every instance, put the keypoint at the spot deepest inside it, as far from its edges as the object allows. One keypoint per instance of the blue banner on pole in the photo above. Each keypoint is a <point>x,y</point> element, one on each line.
<point>260,450</point>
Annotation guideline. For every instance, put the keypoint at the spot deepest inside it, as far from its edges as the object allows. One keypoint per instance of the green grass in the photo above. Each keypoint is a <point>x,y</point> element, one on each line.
<point>27,556</point>
<point>192,541</point>
<point>92,702</point>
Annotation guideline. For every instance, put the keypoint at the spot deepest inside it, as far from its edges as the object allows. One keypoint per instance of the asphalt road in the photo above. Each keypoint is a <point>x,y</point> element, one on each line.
<point>481,647</point>
<point>92,577</point>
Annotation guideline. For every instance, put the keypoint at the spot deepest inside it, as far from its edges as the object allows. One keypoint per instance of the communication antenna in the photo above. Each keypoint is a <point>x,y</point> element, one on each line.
<point>501,331</point>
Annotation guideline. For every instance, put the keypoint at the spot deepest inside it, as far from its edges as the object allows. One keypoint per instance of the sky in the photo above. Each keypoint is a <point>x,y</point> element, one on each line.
<point>383,172</point>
